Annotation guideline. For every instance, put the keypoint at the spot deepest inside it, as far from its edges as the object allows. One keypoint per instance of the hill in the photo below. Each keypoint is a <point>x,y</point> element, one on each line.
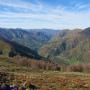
<point>73,48</point>
<point>32,38</point>
<point>11,49</point>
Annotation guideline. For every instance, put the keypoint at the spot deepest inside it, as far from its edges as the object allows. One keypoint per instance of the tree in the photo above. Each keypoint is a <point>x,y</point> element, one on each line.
<point>12,54</point>
<point>1,52</point>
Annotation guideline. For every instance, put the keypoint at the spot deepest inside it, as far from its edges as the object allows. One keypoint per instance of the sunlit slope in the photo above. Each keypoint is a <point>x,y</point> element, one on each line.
<point>72,48</point>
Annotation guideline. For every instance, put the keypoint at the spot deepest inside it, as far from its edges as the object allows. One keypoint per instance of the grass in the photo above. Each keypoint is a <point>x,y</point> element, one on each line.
<point>44,80</point>
<point>52,80</point>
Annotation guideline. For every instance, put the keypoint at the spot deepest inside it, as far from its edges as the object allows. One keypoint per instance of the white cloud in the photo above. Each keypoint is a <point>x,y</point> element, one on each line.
<point>43,16</point>
<point>21,4</point>
<point>80,6</point>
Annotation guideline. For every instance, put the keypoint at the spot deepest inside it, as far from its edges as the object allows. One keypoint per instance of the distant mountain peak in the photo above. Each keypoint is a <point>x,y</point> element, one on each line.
<point>86,32</point>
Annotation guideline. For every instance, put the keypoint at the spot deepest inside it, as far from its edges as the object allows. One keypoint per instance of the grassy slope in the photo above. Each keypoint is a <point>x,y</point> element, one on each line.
<point>73,48</point>
<point>5,47</point>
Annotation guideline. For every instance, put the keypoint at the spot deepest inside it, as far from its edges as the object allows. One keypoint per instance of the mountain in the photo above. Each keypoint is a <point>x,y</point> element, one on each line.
<point>24,42</point>
<point>72,48</point>
<point>32,38</point>
<point>64,47</point>
<point>86,32</point>
<point>11,49</point>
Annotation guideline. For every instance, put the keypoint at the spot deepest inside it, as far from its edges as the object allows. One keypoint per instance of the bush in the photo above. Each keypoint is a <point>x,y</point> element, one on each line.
<point>87,68</point>
<point>76,68</point>
<point>12,54</point>
<point>36,64</point>
<point>1,52</point>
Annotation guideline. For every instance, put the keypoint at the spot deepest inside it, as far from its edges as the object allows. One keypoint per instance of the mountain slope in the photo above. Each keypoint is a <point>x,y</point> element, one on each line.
<point>9,48</point>
<point>73,48</point>
<point>33,38</point>
<point>5,48</point>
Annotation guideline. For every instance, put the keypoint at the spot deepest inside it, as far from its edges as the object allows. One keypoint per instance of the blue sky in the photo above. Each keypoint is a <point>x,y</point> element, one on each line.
<point>55,14</point>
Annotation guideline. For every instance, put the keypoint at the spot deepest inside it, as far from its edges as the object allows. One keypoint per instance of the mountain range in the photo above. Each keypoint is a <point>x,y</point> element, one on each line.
<point>64,47</point>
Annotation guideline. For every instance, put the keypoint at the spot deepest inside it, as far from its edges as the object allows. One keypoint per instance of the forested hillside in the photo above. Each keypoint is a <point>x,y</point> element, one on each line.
<point>72,48</point>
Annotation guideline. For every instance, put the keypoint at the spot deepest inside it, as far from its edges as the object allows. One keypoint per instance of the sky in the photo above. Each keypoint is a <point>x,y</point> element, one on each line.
<point>37,14</point>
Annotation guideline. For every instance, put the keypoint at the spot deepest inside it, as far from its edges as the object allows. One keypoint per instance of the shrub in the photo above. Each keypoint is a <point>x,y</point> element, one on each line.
<point>1,52</point>
<point>87,68</point>
<point>76,68</point>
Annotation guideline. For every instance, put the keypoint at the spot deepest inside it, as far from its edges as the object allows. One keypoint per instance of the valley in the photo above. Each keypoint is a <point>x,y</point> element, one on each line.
<point>53,60</point>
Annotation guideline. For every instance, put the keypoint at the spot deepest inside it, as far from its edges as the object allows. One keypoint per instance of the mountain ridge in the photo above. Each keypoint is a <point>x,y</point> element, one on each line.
<point>63,47</point>
<point>70,49</point>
